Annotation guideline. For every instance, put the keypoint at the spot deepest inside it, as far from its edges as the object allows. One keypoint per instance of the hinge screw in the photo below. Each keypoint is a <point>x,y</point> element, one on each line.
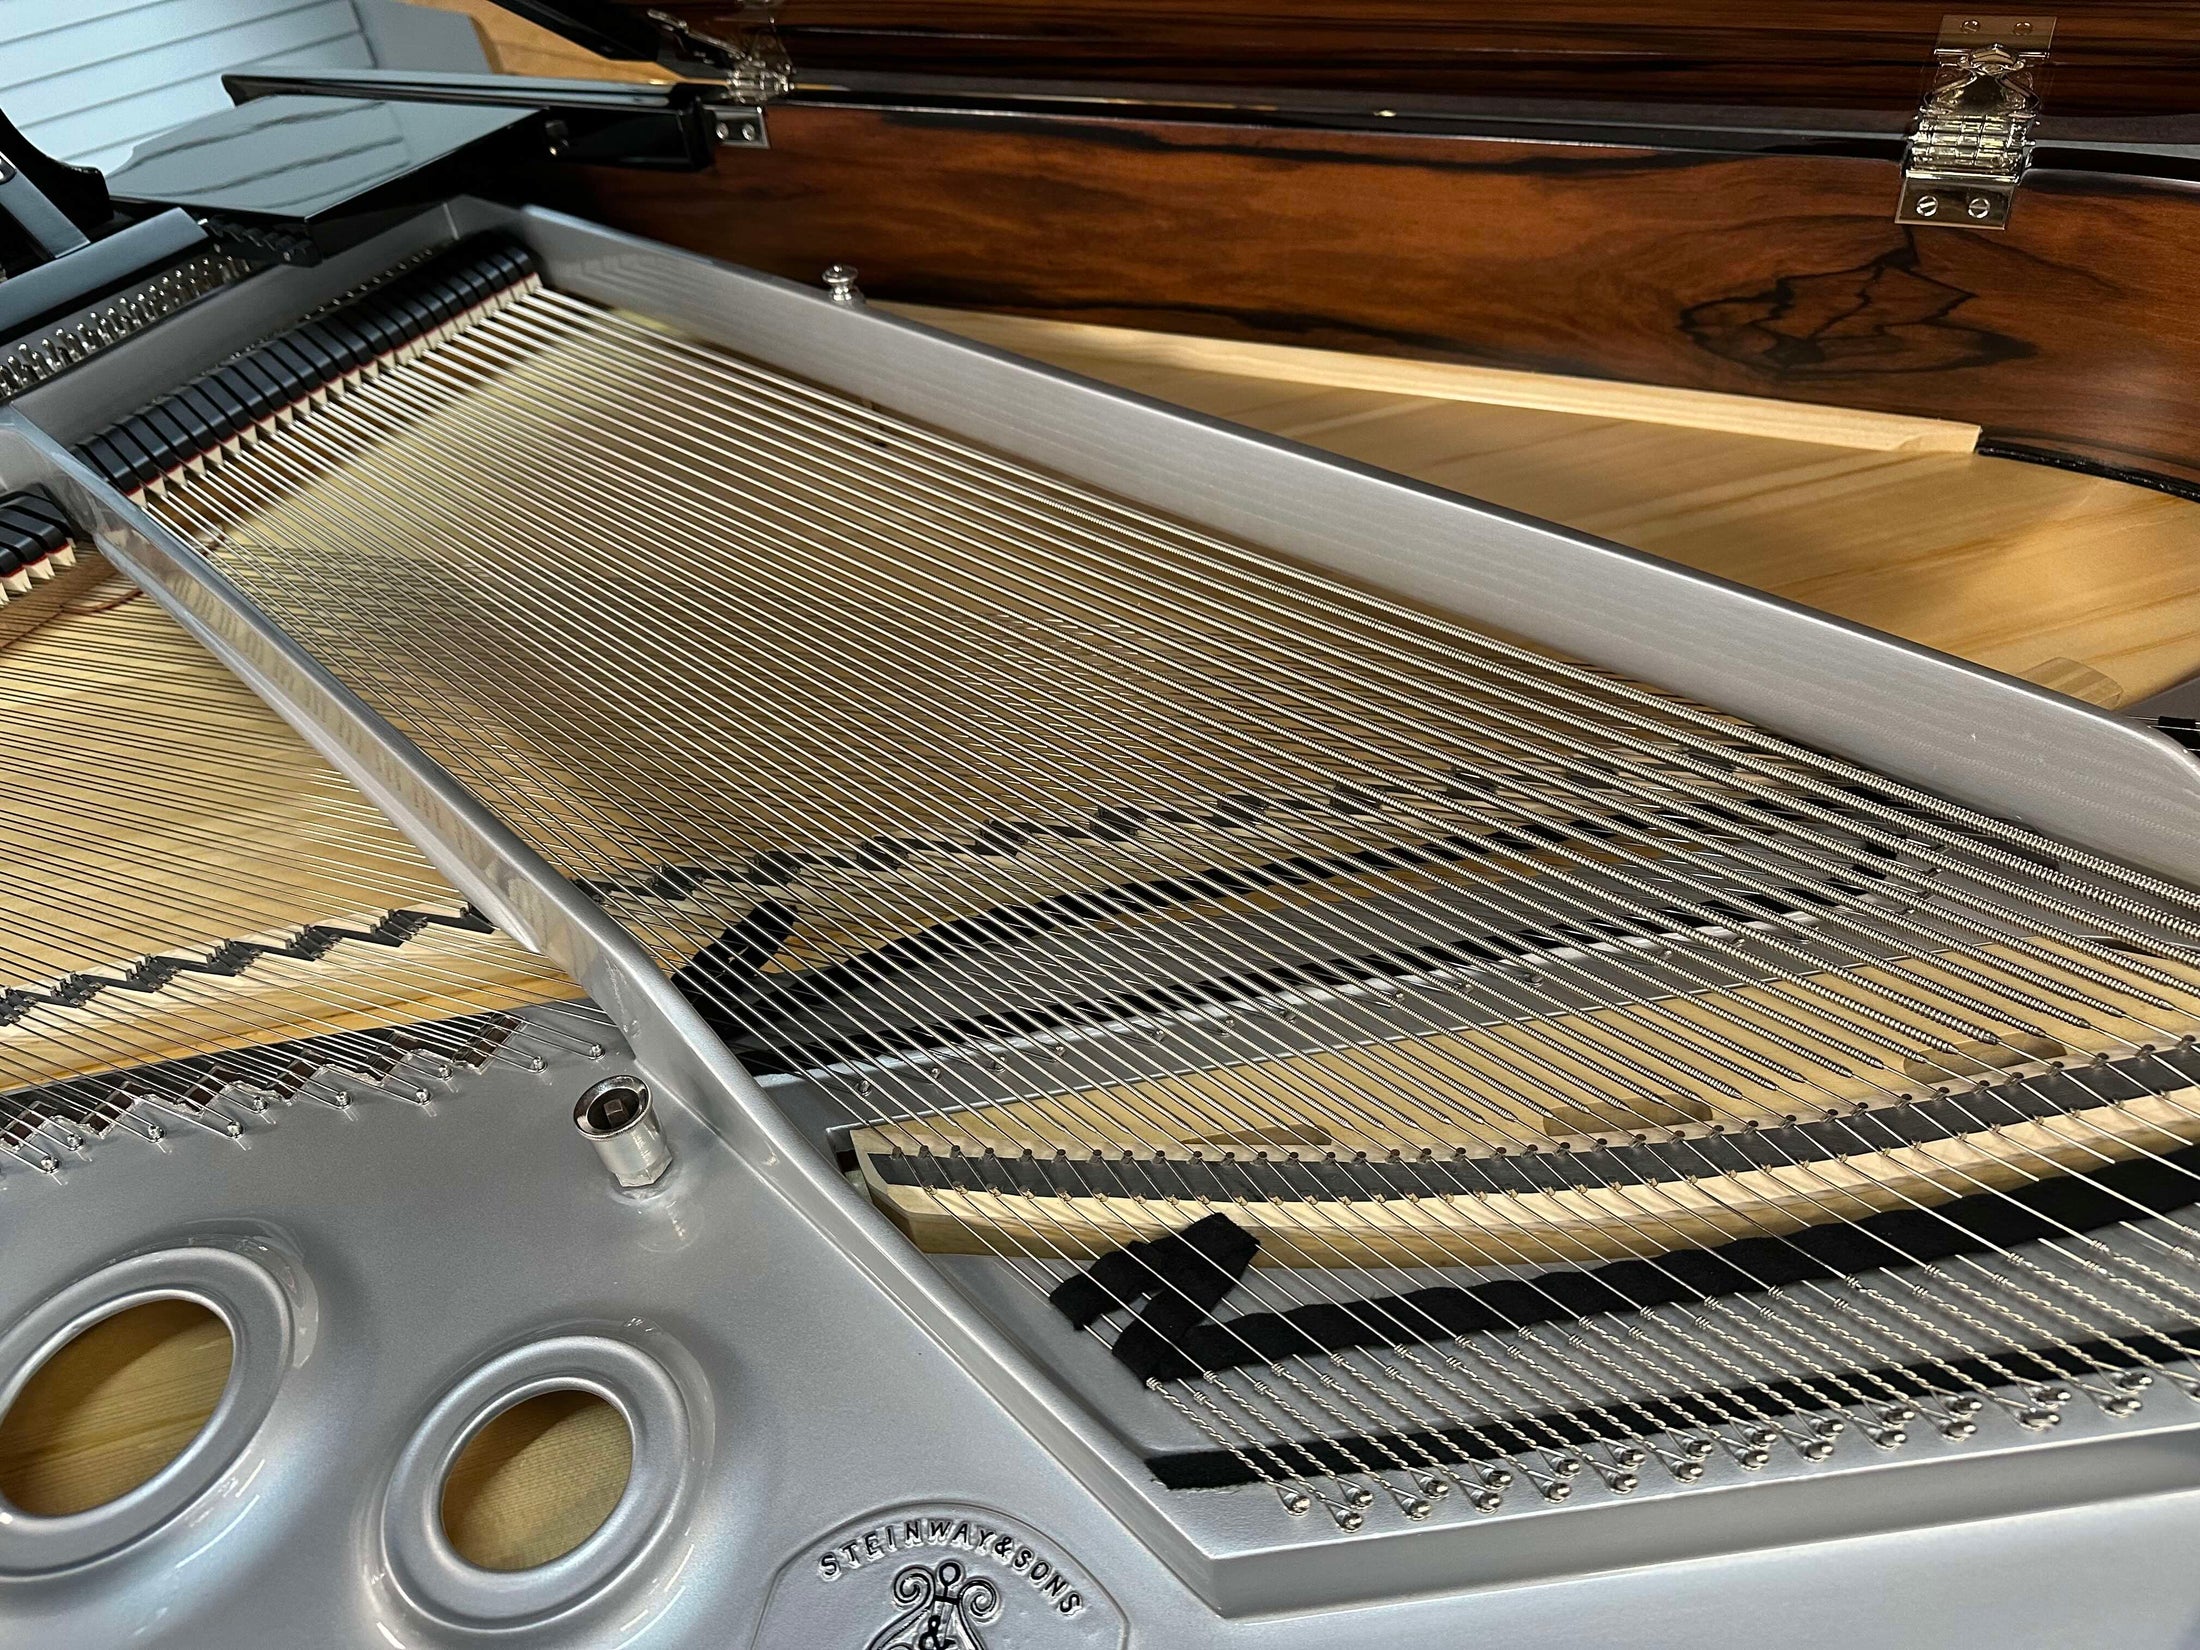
<point>1980,206</point>
<point>1927,205</point>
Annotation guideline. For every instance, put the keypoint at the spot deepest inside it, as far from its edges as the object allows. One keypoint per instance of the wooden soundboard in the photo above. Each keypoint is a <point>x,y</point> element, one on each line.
<point>2072,581</point>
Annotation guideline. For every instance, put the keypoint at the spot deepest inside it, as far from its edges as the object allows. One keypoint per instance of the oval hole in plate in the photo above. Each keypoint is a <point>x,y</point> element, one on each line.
<point>537,1480</point>
<point>112,1407</point>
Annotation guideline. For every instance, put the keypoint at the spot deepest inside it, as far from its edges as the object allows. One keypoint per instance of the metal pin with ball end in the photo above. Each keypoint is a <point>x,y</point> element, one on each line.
<point>616,1117</point>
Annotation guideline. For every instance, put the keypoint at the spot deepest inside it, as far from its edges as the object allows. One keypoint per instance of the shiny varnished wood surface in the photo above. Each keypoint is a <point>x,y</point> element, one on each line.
<point>2077,582</point>
<point>515,46</point>
<point>2112,56</point>
<point>1769,276</point>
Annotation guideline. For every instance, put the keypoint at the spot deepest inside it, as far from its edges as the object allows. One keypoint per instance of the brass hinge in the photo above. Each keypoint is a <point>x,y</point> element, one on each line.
<point>1973,135</point>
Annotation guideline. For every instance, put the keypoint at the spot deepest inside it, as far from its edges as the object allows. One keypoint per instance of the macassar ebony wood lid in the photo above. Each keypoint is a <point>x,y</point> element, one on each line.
<point>2117,59</point>
<point>1706,194</point>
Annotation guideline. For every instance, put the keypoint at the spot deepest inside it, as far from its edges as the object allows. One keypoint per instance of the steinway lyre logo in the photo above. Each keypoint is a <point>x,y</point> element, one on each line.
<point>937,1576</point>
<point>944,1606</point>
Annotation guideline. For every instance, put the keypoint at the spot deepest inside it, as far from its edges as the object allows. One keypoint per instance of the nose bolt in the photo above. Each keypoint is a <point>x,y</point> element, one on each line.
<point>616,1117</point>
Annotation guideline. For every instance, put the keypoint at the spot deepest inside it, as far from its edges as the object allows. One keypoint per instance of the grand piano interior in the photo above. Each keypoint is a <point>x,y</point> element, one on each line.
<point>1024,824</point>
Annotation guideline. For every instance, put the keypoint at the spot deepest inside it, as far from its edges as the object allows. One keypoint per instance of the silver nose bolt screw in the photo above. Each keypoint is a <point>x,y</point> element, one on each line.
<point>619,1122</point>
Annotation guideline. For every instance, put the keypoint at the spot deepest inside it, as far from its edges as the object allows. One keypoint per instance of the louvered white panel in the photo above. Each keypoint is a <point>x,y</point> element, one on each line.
<point>87,80</point>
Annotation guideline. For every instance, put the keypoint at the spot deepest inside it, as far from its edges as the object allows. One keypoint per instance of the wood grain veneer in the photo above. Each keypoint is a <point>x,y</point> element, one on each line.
<point>2111,56</point>
<point>1784,277</point>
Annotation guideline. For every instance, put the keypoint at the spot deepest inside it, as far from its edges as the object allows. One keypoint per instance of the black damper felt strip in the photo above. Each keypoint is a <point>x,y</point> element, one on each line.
<point>322,361</point>
<point>1202,1262</point>
<point>229,959</point>
<point>1970,1225</point>
<point>1183,1277</point>
<point>35,508</point>
<point>100,453</point>
<point>291,366</point>
<point>300,372</point>
<point>1675,1412</point>
<point>287,369</point>
<point>22,548</point>
<point>730,969</point>
<point>34,525</point>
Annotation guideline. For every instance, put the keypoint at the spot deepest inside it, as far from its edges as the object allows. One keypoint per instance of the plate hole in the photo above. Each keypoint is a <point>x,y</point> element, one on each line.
<point>113,1407</point>
<point>537,1480</point>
